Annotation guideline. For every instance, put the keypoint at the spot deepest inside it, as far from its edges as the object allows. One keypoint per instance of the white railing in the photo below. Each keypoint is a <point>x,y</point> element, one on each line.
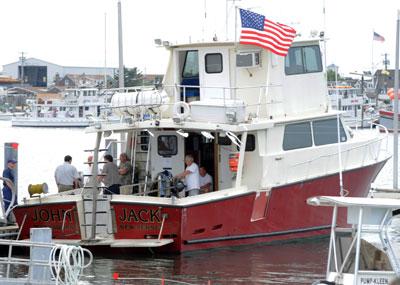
<point>63,265</point>
<point>179,92</point>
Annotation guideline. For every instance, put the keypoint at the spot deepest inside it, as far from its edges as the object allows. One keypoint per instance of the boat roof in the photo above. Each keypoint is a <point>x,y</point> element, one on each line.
<point>195,125</point>
<point>386,203</point>
<point>296,42</point>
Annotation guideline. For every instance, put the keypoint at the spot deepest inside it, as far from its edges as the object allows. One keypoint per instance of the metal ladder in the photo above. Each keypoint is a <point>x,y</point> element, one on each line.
<point>141,149</point>
<point>102,207</point>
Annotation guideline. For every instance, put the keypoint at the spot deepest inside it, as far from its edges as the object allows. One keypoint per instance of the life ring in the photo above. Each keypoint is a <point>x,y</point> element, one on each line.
<point>178,106</point>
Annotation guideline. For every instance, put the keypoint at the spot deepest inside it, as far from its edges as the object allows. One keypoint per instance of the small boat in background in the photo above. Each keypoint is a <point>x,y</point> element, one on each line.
<point>73,108</point>
<point>358,109</point>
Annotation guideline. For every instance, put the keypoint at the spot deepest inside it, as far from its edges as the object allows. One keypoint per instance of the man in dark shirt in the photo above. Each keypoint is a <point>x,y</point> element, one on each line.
<point>7,193</point>
<point>110,176</point>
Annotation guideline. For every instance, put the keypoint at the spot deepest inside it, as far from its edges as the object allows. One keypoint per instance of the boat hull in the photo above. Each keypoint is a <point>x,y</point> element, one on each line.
<point>250,217</point>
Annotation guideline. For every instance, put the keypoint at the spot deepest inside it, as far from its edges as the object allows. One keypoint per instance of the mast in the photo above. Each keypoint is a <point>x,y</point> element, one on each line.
<point>396,109</point>
<point>105,50</point>
<point>120,49</point>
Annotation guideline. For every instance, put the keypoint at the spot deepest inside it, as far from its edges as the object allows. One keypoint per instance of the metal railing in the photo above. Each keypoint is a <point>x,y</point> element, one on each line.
<point>179,92</point>
<point>63,265</point>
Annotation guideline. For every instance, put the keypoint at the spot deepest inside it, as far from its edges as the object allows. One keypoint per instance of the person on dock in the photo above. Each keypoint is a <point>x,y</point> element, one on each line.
<point>66,175</point>
<point>110,176</point>
<point>7,192</point>
<point>205,180</point>
<point>125,169</point>
<point>191,176</point>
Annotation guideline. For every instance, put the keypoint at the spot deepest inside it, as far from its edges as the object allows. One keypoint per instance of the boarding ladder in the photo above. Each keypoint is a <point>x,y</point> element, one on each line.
<point>141,149</point>
<point>100,205</point>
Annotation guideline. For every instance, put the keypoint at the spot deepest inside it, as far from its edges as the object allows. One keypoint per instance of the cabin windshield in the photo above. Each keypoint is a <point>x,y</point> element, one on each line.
<point>301,60</point>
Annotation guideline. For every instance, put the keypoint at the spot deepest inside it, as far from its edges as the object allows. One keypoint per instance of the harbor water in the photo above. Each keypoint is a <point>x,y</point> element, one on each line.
<point>41,150</point>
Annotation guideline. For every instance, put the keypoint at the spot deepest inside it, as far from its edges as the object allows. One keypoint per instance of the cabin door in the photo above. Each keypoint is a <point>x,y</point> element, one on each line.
<point>224,173</point>
<point>214,73</point>
<point>167,153</point>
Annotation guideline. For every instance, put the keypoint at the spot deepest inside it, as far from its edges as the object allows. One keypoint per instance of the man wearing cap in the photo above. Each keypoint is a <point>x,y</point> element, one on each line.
<point>7,192</point>
<point>66,175</point>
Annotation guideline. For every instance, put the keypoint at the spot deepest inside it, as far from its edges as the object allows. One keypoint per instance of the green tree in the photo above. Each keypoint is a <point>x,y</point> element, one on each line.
<point>331,76</point>
<point>132,77</point>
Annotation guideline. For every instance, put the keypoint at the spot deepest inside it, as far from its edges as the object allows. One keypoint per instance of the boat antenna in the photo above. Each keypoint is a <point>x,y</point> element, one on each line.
<point>324,34</point>
<point>396,108</point>
<point>105,51</point>
<point>121,76</point>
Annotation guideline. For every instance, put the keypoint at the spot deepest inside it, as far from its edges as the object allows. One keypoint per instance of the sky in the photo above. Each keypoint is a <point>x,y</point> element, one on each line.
<point>72,32</point>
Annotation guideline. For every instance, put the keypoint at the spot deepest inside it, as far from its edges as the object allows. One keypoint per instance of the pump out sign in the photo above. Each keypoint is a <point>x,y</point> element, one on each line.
<point>373,280</point>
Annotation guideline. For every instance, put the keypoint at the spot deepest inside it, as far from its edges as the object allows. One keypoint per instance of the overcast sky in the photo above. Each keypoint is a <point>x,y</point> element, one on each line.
<point>71,32</point>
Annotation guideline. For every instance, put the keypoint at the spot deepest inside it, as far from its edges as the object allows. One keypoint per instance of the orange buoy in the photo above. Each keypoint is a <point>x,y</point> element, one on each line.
<point>390,93</point>
<point>233,161</point>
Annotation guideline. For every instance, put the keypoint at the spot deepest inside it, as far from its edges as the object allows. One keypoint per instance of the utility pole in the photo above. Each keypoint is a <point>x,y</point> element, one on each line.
<point>22,58</point>
<point>386,61</point>
<point>362,101</point>
<point>121,75</point>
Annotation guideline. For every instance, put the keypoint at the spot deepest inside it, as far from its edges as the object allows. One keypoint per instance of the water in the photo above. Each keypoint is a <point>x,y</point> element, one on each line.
<point>41,150</point>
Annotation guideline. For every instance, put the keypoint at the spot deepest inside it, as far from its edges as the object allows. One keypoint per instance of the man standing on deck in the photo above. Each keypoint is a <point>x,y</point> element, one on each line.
<point>191,175</point>
<point>66,175</point>
<point>125,169</point>
<point>110,176</point>
<point>7,192</point>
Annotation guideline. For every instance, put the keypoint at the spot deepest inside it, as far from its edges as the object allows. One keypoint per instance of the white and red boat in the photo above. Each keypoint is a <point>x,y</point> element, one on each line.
<point>386,119</point>
<point>234,107</point>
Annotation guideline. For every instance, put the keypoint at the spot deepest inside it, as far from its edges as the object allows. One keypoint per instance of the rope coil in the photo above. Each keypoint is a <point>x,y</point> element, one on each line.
<point>67,262</point>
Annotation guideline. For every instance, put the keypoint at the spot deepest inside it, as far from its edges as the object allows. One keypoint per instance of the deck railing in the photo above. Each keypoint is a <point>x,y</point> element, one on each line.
<point>225,94</point>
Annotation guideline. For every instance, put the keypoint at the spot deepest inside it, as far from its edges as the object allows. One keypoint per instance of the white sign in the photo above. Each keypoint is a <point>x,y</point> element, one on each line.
<point>373,280</point>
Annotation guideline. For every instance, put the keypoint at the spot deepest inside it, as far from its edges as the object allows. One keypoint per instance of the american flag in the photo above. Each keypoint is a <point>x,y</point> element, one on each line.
<point>256,30</point>
<point>378,37</point>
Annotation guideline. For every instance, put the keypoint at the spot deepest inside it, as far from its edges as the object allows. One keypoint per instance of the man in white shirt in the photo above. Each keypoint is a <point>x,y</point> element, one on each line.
<point>66,175</point>
<point>205,180</point>
<point>191,175</point>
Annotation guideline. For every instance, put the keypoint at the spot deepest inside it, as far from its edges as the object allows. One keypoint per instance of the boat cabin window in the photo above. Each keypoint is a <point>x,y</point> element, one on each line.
<point>144,141</point>
<point>224,140</point>
<point>325,132</point>
<point>301,60</point>
<point>213,62</point>
<point>167,145</point>
<point>190,76</point>
<point>250,142</point>
<point>297,136</point>
<point>191,66</point>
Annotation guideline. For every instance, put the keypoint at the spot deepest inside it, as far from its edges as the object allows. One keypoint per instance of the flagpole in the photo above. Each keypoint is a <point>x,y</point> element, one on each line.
<point>235,49</point>
<point>396,108</point>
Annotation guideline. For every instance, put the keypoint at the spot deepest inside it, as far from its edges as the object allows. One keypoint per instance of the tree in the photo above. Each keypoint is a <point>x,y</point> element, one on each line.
<point>331,76</point>
<point>132,77</point>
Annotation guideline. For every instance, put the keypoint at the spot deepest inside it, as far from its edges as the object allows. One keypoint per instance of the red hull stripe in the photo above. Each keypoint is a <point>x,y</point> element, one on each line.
<point>281,233</point>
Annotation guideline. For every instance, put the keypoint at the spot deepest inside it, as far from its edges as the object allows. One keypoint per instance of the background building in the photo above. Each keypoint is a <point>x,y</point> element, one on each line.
<point>40,73</point>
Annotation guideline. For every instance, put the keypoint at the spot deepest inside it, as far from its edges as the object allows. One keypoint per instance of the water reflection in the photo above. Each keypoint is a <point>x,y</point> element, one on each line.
<point>293,263</point>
